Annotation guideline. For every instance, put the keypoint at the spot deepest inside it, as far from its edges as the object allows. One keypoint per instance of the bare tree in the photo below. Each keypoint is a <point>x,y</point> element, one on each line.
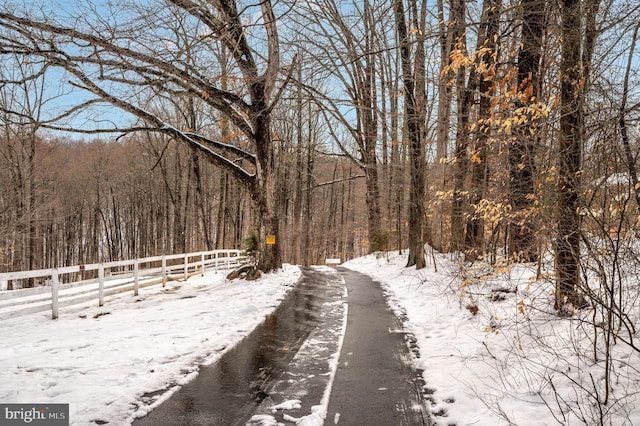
<point>141,56</point>
<point>578,36</point>
<point>413,77</point>
<point>463,105</point>
<point>343,40</point>
<point>394,144</point>
<point>21,107</point>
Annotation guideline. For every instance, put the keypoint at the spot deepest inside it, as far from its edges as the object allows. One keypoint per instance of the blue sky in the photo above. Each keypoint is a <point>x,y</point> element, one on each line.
<point>60,95</point>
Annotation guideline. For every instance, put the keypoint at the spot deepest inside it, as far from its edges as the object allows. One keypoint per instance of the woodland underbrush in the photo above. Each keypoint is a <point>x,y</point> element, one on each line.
<point>584,367</point>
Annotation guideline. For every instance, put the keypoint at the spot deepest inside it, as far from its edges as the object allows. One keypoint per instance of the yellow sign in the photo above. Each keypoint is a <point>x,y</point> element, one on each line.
<point>271,240</point>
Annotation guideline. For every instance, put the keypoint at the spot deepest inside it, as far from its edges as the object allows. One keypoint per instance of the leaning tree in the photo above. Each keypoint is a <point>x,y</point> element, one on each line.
<point>128,55</point>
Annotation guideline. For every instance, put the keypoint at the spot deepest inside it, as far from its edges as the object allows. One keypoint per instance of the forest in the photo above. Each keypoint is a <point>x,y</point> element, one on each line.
<point>502,132</point>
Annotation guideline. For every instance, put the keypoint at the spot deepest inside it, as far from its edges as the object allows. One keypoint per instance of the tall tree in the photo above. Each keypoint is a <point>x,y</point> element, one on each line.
<point>463,105</point>
<point>482,86</point>
<point>413,77</point>
<point>141,54</point>
<point>343,40</point>
<point>578,42</point>
<point>446,33</point>
<point>522,148</point>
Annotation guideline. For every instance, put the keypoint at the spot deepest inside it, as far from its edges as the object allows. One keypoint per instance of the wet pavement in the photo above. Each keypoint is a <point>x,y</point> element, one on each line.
<point>290,357</point>
<point>268,366</point>
<point>375,383</point>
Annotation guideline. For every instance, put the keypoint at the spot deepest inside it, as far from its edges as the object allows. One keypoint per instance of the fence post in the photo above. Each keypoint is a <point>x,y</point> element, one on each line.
<point>100,285</point>
<point>202,268</point>
<point>164,270</point>
<point>135,277</point>
<point>55,286</point>
<point>186,266</point>
<point>215,255</point>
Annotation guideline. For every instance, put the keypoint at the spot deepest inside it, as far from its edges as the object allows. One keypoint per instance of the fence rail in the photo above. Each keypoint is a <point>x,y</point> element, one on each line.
<point>71,285</point>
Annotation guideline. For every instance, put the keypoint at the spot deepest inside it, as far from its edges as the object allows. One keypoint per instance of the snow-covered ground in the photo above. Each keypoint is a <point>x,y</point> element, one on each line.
<point>102,360</point>
<point>492,350</point>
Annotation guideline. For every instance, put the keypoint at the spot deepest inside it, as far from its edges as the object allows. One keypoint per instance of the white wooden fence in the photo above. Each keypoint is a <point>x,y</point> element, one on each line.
<point>69,286</point>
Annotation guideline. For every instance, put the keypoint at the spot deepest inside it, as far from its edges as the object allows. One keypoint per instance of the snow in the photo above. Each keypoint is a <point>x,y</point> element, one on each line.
<point>512,362</point>
<point>102,360</point>
<point>319,354</point>
<point>491,348</point>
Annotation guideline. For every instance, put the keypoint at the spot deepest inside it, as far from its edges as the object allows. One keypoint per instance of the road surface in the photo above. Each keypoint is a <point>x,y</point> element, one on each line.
<point>288,360</point>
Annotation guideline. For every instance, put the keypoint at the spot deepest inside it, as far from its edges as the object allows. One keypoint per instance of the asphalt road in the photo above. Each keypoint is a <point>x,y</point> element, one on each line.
<point>375,384</point>
<point>287,357</point>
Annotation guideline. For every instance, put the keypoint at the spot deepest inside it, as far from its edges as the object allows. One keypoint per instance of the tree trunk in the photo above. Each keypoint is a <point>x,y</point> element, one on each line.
<point>370,129</point>
<point>444,120</point>
<point>306,220</point>
<point>415,115</point>
<point>265,189</point>
<point>372,200</point>
<point>484,85</point>
<point>299,194</point>
<point>458,9</point>
<point>567,244</point>
<point>522,150</point>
